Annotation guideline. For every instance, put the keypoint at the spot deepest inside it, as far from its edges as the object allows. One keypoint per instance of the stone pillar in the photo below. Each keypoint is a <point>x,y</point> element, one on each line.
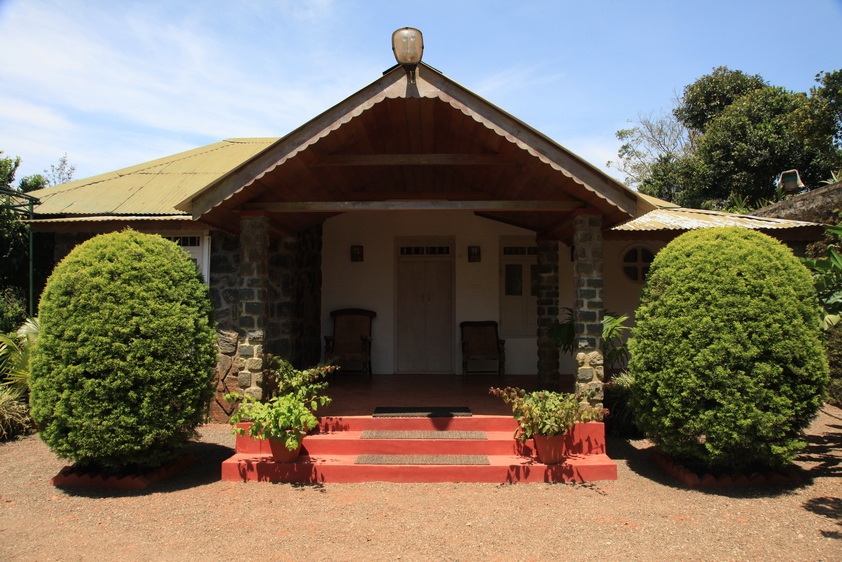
<point>548,309</point>
<point>588,304</point>
<point>253,297</point>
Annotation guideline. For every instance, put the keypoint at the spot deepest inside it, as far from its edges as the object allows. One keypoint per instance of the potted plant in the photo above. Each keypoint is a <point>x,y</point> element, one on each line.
<point>547,418</point>
<point>286,413</point>
<point>284,420</point>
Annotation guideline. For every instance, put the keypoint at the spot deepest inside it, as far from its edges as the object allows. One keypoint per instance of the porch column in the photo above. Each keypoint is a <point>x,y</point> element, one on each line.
<point>548,308</point>
<point>253,299</point>
<point>588,304</point>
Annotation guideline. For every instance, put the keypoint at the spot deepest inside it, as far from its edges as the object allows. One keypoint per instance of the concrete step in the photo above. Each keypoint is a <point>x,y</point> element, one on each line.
<point>330,454</point>
<point>341,469</point>
<point>457,423</point>
<point>350,443</point>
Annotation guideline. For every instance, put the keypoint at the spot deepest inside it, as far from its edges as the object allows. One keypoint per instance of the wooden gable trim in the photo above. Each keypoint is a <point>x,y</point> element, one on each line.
<point>293,143</point>
<point>434,84</point>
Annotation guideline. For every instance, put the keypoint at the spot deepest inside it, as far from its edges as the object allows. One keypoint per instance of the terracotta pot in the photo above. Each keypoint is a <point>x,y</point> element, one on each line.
<point>280,453</point>
<point>552,450</point>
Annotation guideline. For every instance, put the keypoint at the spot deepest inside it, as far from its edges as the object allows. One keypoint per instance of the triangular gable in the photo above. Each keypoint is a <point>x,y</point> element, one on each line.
<point>218,202</point>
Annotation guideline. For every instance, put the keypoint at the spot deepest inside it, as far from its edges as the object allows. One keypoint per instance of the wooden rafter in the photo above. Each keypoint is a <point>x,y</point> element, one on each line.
<point>433,205</point>
<point>412,160</point>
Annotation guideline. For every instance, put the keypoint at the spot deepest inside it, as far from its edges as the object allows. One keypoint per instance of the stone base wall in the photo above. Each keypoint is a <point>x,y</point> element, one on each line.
<point>548,310</point>
<point>588,305</point>
<point>224,279</point>
<point>267,299</point>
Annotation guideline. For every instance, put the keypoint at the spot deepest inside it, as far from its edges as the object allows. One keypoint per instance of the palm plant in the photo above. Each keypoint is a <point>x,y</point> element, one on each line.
<point>15,351</point>
<point>827,277</point>
<point>614,348</point>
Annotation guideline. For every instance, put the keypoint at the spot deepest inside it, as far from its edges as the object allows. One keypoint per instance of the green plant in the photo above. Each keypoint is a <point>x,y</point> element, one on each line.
<point>290,411</point>
<point>286,418</point>
<point>14,414</point>
<point>15,352</point>
<point>123,369</point>
<point>280,377</point>
<point>827,277</point>
<point>833,345</point>
<point>12,310</point>
<point>546,413</point>
<point>614,349</point>
<point>835,177</point>
<point>620,418</point>
<point>726,355</point>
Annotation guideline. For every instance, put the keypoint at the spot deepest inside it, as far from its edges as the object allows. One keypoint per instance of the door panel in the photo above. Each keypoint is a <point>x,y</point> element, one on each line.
<point>425,316</point>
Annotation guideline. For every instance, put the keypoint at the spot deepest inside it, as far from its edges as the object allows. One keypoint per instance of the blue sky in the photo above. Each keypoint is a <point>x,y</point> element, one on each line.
<point>114,84</point>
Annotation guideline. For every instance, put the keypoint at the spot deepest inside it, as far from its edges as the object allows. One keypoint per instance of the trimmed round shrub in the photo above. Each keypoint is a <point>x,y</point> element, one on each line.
<point>122,372</point>
<point>727,356</point>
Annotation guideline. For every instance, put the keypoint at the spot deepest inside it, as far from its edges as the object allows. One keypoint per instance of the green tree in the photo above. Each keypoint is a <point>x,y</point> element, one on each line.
<point>740,134</point>
<point>14,245</point>
<point>14,237</point>
<point>753,140</point>
<point>706,98</point>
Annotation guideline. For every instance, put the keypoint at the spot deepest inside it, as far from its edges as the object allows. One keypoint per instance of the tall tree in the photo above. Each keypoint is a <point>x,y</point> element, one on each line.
<point>651,139</point>
<point>14,242</point>
<point>706,98</point>
<point>740,134</point>
<point>61,173</point>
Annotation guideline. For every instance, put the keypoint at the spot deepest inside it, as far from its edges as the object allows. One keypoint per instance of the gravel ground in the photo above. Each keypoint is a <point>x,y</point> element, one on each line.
<point>644,515</point>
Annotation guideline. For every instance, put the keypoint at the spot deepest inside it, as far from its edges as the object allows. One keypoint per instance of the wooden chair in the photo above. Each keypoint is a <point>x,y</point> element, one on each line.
<point>351,339</point>
<point>481,342</point>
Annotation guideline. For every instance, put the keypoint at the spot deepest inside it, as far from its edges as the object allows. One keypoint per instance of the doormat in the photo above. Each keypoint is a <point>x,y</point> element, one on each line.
<point>423,459</point>
<point>421,412</point>
<point>382,434</point>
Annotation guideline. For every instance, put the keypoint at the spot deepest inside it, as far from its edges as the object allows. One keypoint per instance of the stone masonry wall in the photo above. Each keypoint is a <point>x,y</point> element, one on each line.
<point>548,310</point>
<point>267,298</point>
<point>588,305</point>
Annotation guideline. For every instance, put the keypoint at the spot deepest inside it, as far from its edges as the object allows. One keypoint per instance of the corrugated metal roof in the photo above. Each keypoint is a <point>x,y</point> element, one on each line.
<point>106,218</point>
<point>679,218</point>
<point>152,188</point>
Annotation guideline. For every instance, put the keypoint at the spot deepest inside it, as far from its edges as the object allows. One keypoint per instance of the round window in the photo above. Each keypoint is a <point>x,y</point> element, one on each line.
<point>636,262</point>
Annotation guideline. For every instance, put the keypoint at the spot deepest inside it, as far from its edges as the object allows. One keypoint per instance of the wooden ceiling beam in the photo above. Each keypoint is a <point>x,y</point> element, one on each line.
<point>412,160</point>
<point>411,205</point>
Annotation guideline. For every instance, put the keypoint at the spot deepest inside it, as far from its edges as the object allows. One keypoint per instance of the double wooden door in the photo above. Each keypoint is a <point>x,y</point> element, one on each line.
<point>424,315</point>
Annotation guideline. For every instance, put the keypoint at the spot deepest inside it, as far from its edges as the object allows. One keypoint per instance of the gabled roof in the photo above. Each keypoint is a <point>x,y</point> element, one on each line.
<point>424,140</point>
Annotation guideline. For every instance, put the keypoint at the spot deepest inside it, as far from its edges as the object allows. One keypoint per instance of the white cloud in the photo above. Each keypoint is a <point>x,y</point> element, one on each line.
<point>162,73</point>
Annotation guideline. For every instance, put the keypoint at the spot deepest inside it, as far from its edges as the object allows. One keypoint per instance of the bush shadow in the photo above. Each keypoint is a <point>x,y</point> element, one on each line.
<point>639,461</point>
<point>206,470</point>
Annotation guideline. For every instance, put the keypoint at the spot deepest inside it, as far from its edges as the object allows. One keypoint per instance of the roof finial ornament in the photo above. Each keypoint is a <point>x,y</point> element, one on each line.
<point>408,46</point>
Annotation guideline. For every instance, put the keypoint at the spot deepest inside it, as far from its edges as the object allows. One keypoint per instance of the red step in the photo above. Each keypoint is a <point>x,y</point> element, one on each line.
<point>329,454</point>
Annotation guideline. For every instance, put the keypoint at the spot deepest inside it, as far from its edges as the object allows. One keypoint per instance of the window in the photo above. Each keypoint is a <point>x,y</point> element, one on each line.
<point>636,262</point>
<point>198,248</point>
<point>518,288</point>
<point>425,250</point>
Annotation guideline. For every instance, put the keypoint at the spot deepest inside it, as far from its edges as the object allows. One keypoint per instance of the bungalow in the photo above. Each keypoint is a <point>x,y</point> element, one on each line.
<point>414,198</point>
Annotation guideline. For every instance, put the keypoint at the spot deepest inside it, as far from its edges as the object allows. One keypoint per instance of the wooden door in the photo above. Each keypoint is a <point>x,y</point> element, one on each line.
<point>424,314</point>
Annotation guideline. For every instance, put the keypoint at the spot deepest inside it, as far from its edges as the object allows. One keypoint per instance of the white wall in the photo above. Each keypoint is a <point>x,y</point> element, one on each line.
<point>370,284</point>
